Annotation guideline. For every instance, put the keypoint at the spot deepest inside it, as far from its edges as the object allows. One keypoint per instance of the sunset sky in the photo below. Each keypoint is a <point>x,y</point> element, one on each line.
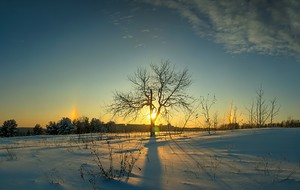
<point>65,58</point>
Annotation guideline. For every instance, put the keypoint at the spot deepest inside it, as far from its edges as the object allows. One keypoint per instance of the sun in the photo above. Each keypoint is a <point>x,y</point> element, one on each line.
<point>153,115</point>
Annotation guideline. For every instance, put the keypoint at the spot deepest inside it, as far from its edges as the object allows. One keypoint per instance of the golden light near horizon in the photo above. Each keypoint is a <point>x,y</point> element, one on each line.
<point>230,116</point>
<point>74,113</point>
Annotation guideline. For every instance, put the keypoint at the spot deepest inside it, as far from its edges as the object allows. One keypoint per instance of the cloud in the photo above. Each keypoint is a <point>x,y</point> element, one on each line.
<point>262,26</point>
<point>138,46</point>
<point>145,30</point>
<point>127,37</point>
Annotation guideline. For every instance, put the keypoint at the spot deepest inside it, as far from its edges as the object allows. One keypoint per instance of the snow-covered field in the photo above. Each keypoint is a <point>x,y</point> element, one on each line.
<point>240,159</point>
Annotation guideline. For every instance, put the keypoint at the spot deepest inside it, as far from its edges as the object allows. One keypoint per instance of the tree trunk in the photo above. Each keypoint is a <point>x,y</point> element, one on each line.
<point>152,129</point>
<point>152,123</point>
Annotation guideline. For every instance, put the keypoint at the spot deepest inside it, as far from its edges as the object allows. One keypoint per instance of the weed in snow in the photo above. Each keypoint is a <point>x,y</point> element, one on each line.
<point>54,177</point>
<point>264,164</point>
<point>214,165</point>
<point>275,169</point>
<point>86,172</point>
<point>11,155</point>
<point>126,162</point>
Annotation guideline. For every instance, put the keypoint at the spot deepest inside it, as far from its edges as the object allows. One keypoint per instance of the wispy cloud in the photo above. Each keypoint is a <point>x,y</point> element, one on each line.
<point>138,46</point>
<point>145,30</point>
<point>262,26</point>
<point>127,37</point>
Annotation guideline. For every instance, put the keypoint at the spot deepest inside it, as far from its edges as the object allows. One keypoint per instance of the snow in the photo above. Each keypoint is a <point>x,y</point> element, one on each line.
<point>239,159</point>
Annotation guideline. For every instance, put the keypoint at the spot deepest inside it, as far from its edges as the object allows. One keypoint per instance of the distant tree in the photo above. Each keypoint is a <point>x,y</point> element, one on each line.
<point>251,114</point>
<point>52,128</point>
<point>96,125</point>
<point>82,125</point>
<point>159,89</point>
<point>28,133</point>
<point>260,111</point>
<point>291,123</point>
<point>109,126</point>
<point>262,108</point>
<point>79,128</point>
<point>274,110</point>
<point>231,126</point>
<point>233,118</point>
<point>9,128</point>
<point>188,114</point>
<point>215,121</point>
<point>206,104</point>
<point>65,126</point>
<point>37,130</point>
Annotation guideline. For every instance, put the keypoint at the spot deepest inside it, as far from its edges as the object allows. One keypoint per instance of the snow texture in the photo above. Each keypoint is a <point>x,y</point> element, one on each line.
<point>239,159</point>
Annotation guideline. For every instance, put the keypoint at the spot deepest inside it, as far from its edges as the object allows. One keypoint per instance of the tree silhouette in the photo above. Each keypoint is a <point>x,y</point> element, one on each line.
<point>262,108</point>
<point>9,128</point>
<point>96,125</point>
<point>37,130</point>
<point>206,104</point>
<point>274,109</point>
<point>160,88</point>
<point>260,111</point>
<point>65,126</point>
<point>82,125</point>
<point>52,128</point>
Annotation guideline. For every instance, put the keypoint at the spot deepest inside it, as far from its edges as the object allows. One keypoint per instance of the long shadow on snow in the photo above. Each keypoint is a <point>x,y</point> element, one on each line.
<point>152,173</point>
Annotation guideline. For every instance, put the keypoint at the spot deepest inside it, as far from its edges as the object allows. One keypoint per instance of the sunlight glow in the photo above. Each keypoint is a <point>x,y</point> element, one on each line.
<point>153,115</point>
<point>74,113</point>
<point>230,116</point>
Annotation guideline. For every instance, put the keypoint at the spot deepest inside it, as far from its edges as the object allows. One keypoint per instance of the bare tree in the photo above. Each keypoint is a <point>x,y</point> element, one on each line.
<point>206,104</point>
<point>251,114</point>
<point>215,121</point>
<point>159,89</point>
<point>274,109</point>
<point>189,113</point>
<point>262,109</point>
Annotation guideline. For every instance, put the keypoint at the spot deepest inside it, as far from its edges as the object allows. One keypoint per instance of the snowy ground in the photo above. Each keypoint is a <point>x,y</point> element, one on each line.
<point>240,159</point>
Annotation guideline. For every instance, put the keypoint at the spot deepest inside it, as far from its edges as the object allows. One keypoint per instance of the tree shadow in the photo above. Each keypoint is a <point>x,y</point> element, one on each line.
<point>152,174</point>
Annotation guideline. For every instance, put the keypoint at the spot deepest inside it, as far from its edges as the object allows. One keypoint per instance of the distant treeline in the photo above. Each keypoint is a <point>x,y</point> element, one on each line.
<point>283,124</point>
<point>84,125</point>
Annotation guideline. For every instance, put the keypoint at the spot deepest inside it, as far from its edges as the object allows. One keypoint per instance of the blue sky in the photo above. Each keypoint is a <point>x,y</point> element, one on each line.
<point>62,56</point>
